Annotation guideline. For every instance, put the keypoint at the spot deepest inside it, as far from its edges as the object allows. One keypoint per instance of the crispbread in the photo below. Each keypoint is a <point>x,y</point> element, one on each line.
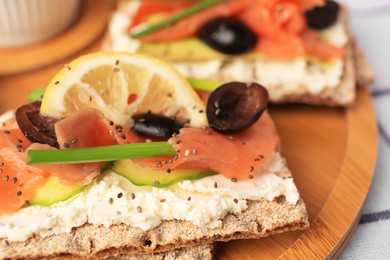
<point>355,71</point>
<point>262,218</point>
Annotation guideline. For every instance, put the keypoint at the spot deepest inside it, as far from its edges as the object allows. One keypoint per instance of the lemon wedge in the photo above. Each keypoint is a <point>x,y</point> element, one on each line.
<point>121,85</point>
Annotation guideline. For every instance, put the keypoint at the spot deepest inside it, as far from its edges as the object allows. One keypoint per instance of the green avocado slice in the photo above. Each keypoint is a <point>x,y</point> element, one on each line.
<point>142,176</point>
<point>54,191</point>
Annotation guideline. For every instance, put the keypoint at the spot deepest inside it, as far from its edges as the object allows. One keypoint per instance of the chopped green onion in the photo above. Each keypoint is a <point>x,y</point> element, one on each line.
<point>187,12</point>
<point>204,84</point>
<point>100,154</point>
<point>36,94</point>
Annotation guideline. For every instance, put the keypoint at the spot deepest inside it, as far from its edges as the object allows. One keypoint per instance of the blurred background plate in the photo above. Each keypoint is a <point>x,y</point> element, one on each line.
<point>85,30</point>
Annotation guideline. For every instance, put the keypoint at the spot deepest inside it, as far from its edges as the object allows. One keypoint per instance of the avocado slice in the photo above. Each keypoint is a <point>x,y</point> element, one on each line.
<point>184,50</point>
<point>193,49</point>
<point>142,176</point>
<point>54,191</point>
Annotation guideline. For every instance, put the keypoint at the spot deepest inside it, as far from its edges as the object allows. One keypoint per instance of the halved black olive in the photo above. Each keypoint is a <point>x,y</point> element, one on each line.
<point>36,127</point>
<point>227,35</point>
<point>236,106</point>
<point>153,125</point>
<point>322,17</point>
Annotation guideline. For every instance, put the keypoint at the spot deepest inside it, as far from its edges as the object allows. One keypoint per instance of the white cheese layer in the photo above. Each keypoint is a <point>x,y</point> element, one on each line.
<point>145,207</point>
<point>291,74</point>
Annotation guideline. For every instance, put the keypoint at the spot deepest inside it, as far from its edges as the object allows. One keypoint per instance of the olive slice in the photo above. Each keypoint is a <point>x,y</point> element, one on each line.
<point>36,127</point>
<point>322,17</point>
<point>153,125</point>
<point>236,106</point>
<point>227,35</point>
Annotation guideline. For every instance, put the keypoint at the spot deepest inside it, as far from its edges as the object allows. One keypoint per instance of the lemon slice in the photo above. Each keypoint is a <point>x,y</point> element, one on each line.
<point>120,85</point>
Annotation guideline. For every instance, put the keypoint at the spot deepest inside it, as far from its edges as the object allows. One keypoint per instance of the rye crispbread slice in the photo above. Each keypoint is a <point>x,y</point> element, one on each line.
<point>261,219</point>
<point>356,71</point>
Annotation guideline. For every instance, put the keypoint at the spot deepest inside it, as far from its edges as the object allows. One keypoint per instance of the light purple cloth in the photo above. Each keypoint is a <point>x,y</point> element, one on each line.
<point>370,21</point>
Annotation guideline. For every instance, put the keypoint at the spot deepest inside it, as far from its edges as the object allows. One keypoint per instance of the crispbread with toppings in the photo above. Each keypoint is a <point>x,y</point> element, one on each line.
<point>262,218</point>
<point>355,69</point>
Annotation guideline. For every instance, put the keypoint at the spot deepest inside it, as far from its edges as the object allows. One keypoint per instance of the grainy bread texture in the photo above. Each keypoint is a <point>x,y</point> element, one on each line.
<point>355,72</point>
<point>262,218</point>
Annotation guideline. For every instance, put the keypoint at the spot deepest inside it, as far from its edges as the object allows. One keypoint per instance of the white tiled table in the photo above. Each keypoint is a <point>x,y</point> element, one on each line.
<point>370,22</point>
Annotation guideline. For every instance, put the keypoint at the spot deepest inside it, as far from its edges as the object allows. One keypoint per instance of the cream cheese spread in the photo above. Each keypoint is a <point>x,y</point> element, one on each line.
<point>291,74</point>
<point>112,199</point>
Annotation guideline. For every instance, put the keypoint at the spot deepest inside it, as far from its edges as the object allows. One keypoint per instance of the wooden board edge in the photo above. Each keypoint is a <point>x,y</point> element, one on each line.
<point>331,228</point>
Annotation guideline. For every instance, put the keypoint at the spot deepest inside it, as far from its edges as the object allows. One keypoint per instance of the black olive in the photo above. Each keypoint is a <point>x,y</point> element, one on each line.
<point>322,17</point>
<point>36,127</point>
<point>227,35</point>
<point>236,106</point>
<point>153,125</point>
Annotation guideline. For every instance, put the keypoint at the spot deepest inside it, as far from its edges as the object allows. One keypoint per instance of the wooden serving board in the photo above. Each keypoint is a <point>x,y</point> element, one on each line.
<point>331,152</point>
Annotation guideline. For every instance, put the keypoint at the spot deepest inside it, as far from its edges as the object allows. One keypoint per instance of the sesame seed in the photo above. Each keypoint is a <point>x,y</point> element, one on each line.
<point>110,122</point>
<point>216,104</point>
<point>6,132</point>
<point>200,111</point>
<point>1,170</point>
<point>19,146</point>
<point>163,200</point>
<point>90,98</point>
<point>187,152</point>
<point>14,180</point>
<point>119,212</point>
<point>215,185</point>
<point>235,200</point>
<point>1,163</point>
<point>121,135</point>
<point>169,170</point>
<point>74,141</point>
<point>119,127</point>
<point>217,111</point>
<point>139,209</point>
<point>233,179</point>
<point>132,195</point>
<point>156,182</point>
<point>56,83</point>
<point>117,62</point>
<point>6,242</point>
<point>111,132</point>
<point>189,198</point>
<point>6,178</point>
<point>116,69</point>
<point>142,120</point>
<point>261,156</point>
<point>251,168</point>
<point>169,94</point>
<point>20,141</point>
<point>194,152</point>
<point>19,193</point>
<point>232,138</point>
<point>110,200</point>
<point>257,159</point>
<point>178,141</point>
<point>242,142</point>
<point>67,67</point>
<point>66,145</point>
<point>120,194</point>
<point>175,157</point>
<point>250,176</point>
<point>27,203</point>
